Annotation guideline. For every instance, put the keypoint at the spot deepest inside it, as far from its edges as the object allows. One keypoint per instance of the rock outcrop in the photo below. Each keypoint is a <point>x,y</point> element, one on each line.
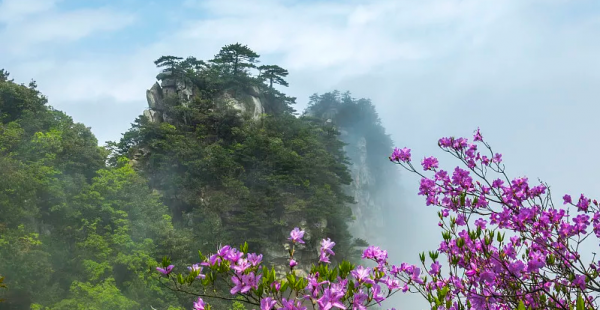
<point>184,92</point>
<point>169,87</point>
<point>250,104</point>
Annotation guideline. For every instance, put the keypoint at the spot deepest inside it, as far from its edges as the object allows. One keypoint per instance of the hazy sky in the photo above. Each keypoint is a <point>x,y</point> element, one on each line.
<point>526,72</point>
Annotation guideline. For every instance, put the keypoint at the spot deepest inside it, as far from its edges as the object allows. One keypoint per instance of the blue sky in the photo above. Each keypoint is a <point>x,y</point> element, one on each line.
<point>526,71</point>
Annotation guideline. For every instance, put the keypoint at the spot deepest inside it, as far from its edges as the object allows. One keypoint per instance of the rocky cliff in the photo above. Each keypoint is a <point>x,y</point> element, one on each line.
<point>369,209</point>
<point>251,103</point>
<point>184,92</point>
<point>374,180</point>
<point>369,188</point>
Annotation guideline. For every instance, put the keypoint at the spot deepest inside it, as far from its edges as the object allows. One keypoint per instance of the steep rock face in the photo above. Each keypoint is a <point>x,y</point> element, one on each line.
<point>250,104</point>
<point>171,87</point>
<point>374,190</point>
<point>368,210</point>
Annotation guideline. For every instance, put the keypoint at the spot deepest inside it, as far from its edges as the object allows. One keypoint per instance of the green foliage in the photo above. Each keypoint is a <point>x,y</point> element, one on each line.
<point>237,306</point>
<point>273,74</point>
<point>168,62</point>
<point>255,178</point>
<point>4,75</point>
<point>236,59</point>
<point>104,295</point>
<point>228,179</point>
<point>76,233</point>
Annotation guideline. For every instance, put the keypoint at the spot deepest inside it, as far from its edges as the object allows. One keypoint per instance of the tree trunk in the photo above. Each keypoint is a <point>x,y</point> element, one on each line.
<point>235,66</point>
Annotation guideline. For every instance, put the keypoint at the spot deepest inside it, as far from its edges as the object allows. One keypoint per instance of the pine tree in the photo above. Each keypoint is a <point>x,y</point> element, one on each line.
<point>273,74</point>
<point>168,62</point>
<point>193,64</point>
<point>237,57</point>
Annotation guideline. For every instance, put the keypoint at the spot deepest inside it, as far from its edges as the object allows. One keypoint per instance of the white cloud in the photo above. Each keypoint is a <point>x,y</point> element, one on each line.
<point>334,40</point>
<point>31,26</point>
<point>72,25</point>
<point>17,10</point>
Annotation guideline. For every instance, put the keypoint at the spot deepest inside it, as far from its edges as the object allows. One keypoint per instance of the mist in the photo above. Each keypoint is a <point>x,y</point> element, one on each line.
<point>524,72</point>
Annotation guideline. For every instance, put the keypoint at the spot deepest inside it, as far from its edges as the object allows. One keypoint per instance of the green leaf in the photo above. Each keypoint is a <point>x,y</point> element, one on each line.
<point>244,248</point>
<point>580,302</point>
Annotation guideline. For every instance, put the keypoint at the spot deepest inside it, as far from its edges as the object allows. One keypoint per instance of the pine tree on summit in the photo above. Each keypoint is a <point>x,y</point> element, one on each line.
<point>171,66</point>
<point>236,57</point>
<point>168,62</point>
<point>273,74</point>
<point>192,64</point>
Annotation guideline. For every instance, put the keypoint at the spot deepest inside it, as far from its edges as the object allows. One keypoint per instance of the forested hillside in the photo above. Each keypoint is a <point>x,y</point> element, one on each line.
<point>219,158</point>
<point>75,234</point>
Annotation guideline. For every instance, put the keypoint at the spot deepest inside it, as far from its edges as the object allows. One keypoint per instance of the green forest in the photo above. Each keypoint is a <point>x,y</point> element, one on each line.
<point>84,226</point>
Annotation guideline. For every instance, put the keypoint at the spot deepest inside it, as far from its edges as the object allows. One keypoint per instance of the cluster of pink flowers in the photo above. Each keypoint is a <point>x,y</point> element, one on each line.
<point>343,287</point>
<point>326,250</point>
<point>537,266</point>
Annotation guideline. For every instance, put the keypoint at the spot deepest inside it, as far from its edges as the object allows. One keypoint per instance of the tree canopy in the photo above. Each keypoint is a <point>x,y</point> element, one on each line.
<point>273,74</point>
<point>84,226</point>
<point>75,234</point>
<point>236,58</point>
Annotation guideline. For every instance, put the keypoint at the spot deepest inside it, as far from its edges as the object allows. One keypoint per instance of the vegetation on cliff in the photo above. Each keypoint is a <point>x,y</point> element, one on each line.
<point>83,226</point>
<point>357,117</point>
